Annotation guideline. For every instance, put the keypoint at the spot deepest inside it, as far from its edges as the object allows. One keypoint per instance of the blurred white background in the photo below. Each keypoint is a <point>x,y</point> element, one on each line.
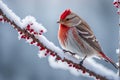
<point>19,61</point>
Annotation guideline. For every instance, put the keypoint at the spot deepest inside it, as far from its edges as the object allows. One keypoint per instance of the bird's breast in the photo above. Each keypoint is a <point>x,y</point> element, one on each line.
<point>62,34</point>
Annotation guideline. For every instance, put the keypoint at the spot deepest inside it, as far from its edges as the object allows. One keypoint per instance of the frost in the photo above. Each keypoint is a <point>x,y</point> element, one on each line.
<point>34,25</point>
<point>41,54</point>
<point>62,65</point>
<point>12,16</point>
<point>89,63</point>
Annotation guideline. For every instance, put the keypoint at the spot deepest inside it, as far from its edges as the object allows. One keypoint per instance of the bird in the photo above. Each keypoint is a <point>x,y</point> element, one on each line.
<point>76,36</point>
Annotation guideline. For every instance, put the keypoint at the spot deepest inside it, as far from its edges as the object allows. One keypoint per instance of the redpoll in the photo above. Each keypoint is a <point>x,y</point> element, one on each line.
<point>76,36</point>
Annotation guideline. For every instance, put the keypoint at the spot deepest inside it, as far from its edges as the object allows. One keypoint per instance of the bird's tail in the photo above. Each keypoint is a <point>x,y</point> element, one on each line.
<point>108,60</point>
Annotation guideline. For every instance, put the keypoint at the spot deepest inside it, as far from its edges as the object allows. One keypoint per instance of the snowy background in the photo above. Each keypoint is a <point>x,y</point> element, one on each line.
<point>19,61</point>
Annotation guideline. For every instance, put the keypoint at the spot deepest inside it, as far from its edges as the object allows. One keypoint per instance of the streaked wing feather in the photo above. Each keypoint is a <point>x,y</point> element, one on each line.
<point>86,33</point>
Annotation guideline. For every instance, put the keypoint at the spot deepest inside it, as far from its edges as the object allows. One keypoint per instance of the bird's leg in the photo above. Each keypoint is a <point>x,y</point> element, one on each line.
<point>68,51</point>
<point>81,62</point>
<point>106,60</point>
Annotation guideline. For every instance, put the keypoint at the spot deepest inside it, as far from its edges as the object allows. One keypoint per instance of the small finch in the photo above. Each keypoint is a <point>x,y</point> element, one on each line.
<point>76,36</point>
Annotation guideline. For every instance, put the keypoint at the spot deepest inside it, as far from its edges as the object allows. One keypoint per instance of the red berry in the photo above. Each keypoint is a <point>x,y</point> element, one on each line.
<point>45,54</point>
<point>5,19</point>
<point>1,19</point>
<point>70,65</point>
<point>31,30</point>
<point>118,12</point>
<point>74,65</point>
<point>58,58</point>
<point>28,37</point>
<point>115,3</point>
<point>23,36</point>
<point>41,31</point>
<point>84,71</point>
<point>32,42</point>
<point>42,48</point>
<point>28,27</point>
<point>40,34</point>
<point>63,60</point>
<point>38,44</point>
<point>53,55</point>
<point>35,33</point>
<point>47,51</point>
<point>68,62</point>
<point>20,32</point>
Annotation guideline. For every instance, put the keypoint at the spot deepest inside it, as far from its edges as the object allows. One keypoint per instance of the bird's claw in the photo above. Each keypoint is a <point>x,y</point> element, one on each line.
<point>81,62</point>
<point>69,52</point>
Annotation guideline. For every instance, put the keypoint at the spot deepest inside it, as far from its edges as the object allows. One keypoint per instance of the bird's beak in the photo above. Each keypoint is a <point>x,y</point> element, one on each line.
<point>59,21</point>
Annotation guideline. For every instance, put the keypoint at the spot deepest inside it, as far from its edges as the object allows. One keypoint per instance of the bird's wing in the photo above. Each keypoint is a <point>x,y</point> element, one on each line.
<point>87,35</point>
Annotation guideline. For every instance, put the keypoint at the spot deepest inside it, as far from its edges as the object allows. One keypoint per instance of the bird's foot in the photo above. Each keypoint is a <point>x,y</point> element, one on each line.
<point>68,51</point>
<point>81,62</point>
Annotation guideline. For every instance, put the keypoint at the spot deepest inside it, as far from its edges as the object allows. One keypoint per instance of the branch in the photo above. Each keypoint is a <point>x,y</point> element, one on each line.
<point>32,31</point>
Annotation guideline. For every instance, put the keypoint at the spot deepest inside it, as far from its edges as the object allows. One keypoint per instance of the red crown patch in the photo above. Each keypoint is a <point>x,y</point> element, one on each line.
<point>65,13</point>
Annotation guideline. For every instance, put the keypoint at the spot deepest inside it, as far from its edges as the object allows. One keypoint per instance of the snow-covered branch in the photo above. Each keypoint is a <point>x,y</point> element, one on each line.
<point>32,31</point>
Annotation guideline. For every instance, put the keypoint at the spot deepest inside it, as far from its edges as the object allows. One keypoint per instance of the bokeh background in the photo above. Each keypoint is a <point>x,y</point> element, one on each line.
<point>20,61</point>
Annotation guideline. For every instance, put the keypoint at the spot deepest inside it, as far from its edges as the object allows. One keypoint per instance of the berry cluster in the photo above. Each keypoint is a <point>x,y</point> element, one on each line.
<point>116,3</point>
<point>2,19</point>
<point>32,31</point>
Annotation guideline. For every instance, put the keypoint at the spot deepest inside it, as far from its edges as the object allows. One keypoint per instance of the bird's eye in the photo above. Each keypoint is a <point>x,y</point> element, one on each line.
<point>67,19</point>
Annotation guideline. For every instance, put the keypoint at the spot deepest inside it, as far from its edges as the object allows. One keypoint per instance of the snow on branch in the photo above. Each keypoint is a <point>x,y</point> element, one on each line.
<point>32,31</point>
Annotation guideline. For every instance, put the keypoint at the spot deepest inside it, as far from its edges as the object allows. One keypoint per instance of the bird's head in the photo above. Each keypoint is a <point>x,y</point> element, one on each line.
<point>69,18</point>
